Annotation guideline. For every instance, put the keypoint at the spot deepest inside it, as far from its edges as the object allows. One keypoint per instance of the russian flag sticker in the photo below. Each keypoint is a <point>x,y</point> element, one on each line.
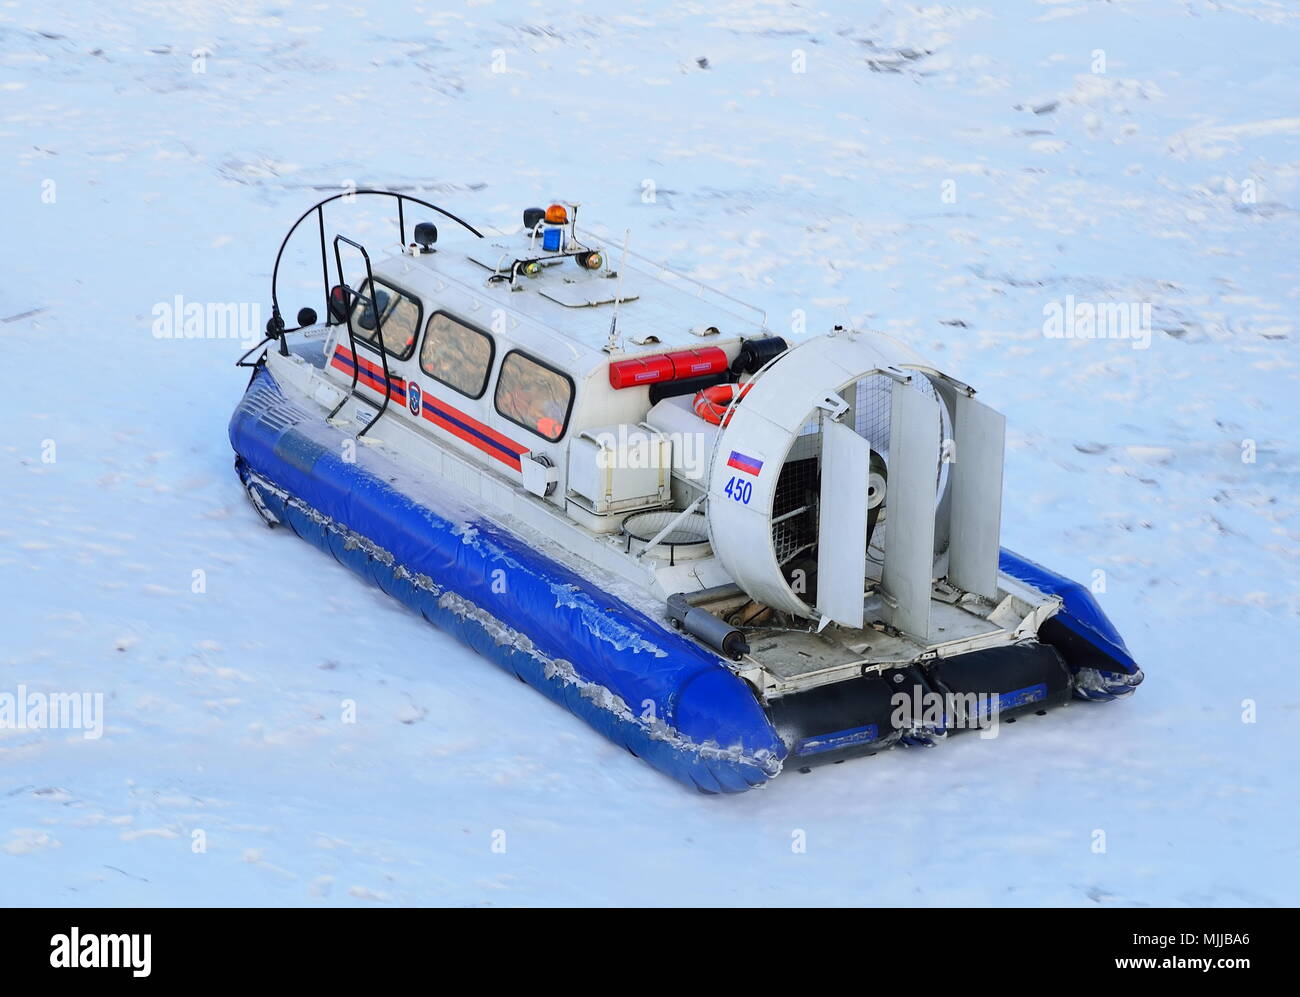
<point>743,462</point>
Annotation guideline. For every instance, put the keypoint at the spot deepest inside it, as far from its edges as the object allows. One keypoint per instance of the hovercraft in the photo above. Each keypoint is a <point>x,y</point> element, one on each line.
<point>728,553</point>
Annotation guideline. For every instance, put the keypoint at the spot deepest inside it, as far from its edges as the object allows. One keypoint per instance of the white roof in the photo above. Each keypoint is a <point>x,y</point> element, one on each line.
<point>577,304</point>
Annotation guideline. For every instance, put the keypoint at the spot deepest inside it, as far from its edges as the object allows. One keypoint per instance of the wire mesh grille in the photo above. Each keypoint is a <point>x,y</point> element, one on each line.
<point>797,488</point>
<point>796,501</point>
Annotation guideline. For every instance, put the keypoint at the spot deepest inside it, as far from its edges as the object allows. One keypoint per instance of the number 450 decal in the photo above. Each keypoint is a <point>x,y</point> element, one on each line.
<point>740,491</point>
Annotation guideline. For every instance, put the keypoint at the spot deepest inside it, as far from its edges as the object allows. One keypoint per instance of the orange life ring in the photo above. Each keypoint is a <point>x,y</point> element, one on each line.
<point>711,404</point>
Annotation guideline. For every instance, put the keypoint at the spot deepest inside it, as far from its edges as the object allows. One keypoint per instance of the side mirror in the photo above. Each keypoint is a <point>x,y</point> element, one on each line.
<point>306,317</point>
<point>340,302</point>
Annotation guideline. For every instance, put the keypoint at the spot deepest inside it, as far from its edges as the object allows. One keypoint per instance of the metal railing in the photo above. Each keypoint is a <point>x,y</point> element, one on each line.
<point>351,297</point>
<point>275,326</point>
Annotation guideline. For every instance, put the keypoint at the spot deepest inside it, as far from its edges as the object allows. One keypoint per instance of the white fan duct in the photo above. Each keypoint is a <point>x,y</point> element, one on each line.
<point>849,466</point>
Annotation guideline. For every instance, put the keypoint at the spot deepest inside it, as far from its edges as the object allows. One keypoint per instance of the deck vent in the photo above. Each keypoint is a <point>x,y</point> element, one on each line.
<point>688,538</point>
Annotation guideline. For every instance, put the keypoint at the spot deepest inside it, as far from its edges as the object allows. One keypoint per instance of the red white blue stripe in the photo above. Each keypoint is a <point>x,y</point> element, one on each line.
<point>469,430</point>
<point>448,418</point>
<point>368,373</point>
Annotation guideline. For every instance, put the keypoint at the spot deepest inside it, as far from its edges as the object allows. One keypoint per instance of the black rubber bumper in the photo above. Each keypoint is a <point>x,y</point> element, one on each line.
<point>865,715</point>
<point>1025,678</point>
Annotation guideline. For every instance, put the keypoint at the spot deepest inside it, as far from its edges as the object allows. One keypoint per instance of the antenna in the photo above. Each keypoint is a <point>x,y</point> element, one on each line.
<point>612,344</point>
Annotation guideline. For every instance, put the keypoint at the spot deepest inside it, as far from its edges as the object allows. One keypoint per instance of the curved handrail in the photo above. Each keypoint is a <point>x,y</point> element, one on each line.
<point>319,207</point>
<point>352,339</point>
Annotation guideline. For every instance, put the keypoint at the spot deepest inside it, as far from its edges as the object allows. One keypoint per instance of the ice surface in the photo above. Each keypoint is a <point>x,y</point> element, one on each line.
<point>1169,179</point>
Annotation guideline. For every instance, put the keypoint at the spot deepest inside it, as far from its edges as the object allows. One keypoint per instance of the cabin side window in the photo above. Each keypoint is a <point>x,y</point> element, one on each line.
<point>534,396</point>
<point>399,318</point>
<point>456,354</point>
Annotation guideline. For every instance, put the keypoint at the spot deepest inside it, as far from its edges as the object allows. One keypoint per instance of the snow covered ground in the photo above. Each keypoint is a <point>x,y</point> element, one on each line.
<point>940,171</point>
